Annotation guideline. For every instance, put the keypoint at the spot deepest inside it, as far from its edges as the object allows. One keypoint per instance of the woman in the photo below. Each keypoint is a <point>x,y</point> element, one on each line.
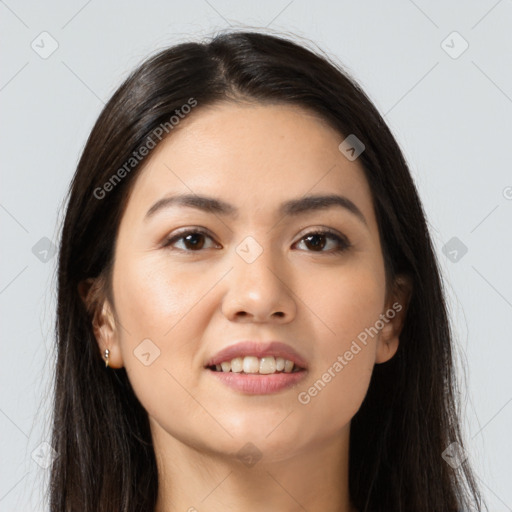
<point>246,251</point>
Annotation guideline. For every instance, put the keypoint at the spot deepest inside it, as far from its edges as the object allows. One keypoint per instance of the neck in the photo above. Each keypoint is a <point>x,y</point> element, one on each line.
<point>197,479</point>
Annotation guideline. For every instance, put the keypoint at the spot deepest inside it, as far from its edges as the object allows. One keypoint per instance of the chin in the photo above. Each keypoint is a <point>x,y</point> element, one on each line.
<point>276,436</point>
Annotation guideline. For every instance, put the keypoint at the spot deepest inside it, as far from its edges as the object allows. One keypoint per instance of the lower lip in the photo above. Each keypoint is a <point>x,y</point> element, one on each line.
<point>256,384</point>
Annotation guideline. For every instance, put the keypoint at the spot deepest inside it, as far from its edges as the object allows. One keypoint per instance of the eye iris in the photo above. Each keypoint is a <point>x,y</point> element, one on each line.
<point>316,244</point>
<point>194,243</point>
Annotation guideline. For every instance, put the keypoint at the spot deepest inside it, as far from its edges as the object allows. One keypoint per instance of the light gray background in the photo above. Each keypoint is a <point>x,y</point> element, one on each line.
<point>450,115</point>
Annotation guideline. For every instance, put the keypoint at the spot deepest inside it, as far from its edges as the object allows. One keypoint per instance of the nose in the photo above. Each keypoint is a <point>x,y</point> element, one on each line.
<point>259,291</point>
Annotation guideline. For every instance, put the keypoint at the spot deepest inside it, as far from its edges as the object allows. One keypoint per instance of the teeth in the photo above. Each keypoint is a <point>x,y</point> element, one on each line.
<point>237,364</point>
<point>268,365</point>
<point>252,364</point>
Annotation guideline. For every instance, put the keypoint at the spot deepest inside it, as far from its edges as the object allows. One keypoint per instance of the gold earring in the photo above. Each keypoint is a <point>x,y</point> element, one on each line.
<point>107,353</point>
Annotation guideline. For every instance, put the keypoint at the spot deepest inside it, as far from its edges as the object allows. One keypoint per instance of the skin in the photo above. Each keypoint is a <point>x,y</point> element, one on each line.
<point>192,304</point>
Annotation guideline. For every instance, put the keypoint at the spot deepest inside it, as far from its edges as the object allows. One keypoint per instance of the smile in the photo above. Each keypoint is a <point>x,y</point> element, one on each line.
<point>251,375</point>
<point>254,365</point>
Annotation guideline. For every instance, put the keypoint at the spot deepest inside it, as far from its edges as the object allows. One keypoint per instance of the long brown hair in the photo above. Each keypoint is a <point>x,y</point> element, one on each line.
<point>409,416</point>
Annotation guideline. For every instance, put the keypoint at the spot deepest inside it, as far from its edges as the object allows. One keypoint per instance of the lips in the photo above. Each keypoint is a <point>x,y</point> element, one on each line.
<point>258,349</point>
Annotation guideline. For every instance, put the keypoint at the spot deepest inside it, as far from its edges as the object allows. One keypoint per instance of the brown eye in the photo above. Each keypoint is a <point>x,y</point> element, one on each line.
<point>316,241</point>
<point>193,240</point>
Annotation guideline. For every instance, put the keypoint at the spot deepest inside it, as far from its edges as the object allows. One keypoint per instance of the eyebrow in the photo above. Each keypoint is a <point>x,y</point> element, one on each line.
<point>292,207</point>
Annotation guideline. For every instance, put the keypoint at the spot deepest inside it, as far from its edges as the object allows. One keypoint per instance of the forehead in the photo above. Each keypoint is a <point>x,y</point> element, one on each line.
<point>253,156</point>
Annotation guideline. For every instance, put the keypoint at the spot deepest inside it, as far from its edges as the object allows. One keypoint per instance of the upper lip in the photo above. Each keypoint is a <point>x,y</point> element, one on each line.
<point>258,349</point>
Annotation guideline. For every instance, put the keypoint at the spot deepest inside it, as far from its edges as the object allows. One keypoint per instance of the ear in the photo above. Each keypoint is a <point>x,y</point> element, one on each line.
<point>92,293</point>
<point>394,318</point>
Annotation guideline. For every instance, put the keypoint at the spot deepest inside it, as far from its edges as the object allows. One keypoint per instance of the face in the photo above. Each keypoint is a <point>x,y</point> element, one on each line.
<point>189,282</point>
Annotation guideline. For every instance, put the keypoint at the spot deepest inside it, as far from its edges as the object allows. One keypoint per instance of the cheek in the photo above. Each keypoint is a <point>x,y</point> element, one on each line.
<point>332,397</point>
<point>349,308</point>
<point>347,303</point>
<point>160,330</point>
<point>154,299</point>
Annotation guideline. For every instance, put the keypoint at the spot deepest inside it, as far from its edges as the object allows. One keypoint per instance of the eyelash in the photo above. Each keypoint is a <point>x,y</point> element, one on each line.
<point>343,242</point>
